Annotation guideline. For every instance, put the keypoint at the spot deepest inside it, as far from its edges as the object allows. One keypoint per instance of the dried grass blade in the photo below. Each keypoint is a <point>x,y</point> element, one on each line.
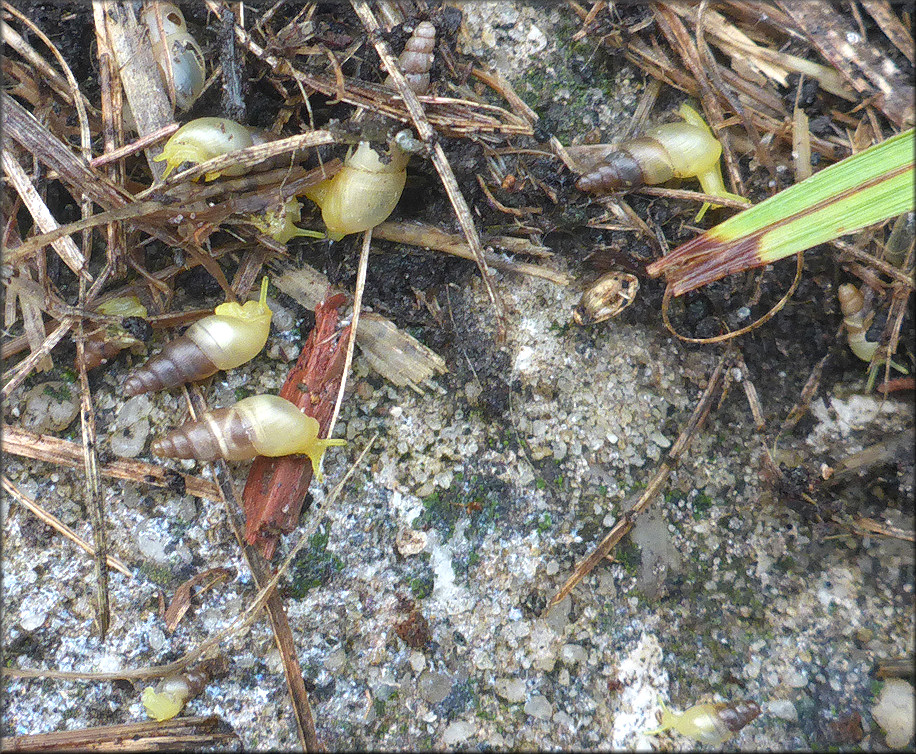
<point>21,442</point>
<point>65,247</point>
<point>864,67</point>
<point>54,522</point>
<point>894,30</point>
<point>178,734</point>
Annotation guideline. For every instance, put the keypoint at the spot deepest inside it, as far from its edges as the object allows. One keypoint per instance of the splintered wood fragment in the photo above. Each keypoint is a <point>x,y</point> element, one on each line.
<point>181,601</point>
<point>149,103</point>
<point>396,355</point>
<point>21,442</point>
<point>869,72</point>
<point>893,28</point>
<point>393,353</point>
<point>276,487</point>
<point>178,734</point>
<point>430,237</point>
<point>628,520</point>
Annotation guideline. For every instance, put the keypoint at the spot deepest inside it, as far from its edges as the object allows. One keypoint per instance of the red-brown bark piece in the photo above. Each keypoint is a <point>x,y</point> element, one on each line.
<point>276,487</point>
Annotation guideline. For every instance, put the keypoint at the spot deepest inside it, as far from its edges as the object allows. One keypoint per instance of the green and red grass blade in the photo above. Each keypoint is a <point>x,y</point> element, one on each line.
<point>864,189</point>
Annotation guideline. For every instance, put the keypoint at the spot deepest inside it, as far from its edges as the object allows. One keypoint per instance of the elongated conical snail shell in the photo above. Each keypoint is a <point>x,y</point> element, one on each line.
<point>265,425</point>
<point>416,60</point>
<point>231,336</point>
<point>672,150</point>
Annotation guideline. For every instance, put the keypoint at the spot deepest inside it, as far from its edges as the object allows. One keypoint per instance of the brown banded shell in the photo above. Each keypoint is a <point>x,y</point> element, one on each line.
<point>417,58</point>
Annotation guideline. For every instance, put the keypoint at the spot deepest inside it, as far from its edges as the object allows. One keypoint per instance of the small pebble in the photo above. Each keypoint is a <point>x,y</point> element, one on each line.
<point>50,407</point>
<point>434,687</point>
<point>511,689</point>
<point>894,712</point>
<point>783,709</point>
<point>410,541</point>
<point>457,732</point>
<point>538,706</point>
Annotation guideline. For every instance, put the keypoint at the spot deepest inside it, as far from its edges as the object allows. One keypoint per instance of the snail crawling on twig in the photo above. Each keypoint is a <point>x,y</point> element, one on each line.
<point>672,150</point>
<point>205,138</point>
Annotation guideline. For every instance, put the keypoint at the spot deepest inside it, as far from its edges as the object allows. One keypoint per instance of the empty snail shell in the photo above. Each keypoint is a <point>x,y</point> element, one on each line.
<point>176,52</point>
<point>205,138</point>
<point>672,150</point>
<point>364,192</point>
<point>607,296</point>
<point>417,58</point>
<point>711,724</point>
<point>229,337</point>
<point>110,339</point>
<point>262,425</point>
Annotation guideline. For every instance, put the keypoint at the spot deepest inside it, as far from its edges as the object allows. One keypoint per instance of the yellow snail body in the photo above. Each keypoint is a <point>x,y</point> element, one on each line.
<point>365,191</point>
<point>177,51</point>
<point>710,724</point>
<point>280,224</point>
<point>205,138</point>
<point>231,336</point>
<point>261,425</point>
<point>672,150</point>
<point>171,694</point>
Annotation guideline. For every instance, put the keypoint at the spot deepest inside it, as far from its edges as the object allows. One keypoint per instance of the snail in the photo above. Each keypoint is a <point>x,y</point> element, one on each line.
<point>711,724</point>
<point>110,339</point>
<point>607,296</point>
<point>672,150</point>
<point>364,192</point>
<point>858,321</point>
<point>177,51</point>
<point>367,189</point>
<point>265,425</point>
<point>171,694</point>
<point>229,337</point>
<point>205,138</point>
<point>417,58</point>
